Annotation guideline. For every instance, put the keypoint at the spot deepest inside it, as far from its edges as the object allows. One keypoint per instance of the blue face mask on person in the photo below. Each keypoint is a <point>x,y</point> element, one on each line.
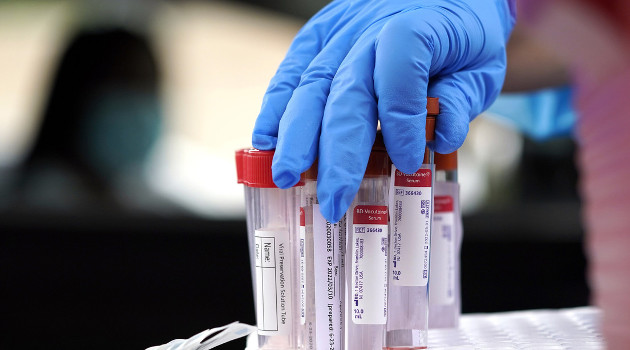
<point>119,129</point>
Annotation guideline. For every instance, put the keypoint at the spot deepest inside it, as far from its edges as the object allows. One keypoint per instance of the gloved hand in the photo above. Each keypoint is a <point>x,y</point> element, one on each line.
<point>360,61</point>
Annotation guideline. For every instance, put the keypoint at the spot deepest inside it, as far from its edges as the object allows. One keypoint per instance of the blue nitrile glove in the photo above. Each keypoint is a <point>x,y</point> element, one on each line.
<point>359,61</point>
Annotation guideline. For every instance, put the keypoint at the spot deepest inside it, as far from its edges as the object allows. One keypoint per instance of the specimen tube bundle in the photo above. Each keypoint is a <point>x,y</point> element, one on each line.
<point>361,283</point>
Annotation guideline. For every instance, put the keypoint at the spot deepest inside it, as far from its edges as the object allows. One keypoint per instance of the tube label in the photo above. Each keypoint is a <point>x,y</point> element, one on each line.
<point>411,236</point>
<point>369,264</point>
<point>273,281</point>
<point>442,289</point>
<point>329,242</point>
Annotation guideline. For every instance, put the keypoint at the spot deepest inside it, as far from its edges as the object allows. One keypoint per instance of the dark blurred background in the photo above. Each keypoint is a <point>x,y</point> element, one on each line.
<point>121,225</point>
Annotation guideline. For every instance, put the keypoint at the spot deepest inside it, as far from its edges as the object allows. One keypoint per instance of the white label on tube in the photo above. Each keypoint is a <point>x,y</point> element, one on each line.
<point>302,266</point>
<point>273,282</point>
<point>442,288</point>
<point>329,252</point>
<point>411,239</point>
<point>369,264</point>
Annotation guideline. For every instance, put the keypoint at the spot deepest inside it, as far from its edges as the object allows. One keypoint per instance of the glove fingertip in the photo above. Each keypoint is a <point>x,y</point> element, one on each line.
<point>408,165</point>
<point>446,145</point>
<point>450,131</point>
<point>331,212</point>
<point>285,178</point>
<point>334,203</point>
<point>264,142</point>
<point>406,149</point>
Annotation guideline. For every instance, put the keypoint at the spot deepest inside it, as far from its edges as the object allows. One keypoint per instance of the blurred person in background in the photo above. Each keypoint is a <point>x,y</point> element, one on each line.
<point>101,121</point>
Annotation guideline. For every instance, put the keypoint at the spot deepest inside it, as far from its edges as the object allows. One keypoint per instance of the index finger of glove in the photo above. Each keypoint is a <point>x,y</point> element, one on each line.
<point>404,53</point>
<point>305,46</point>
<point>348,129</point>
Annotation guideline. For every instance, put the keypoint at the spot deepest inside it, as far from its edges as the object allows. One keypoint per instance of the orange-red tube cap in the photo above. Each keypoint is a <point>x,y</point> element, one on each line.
<point>445,161</point>
<point>433,109</point>
<point>253,168</point>
<point>379,162</point>
<point>311,173</point>
<point>240,175</point>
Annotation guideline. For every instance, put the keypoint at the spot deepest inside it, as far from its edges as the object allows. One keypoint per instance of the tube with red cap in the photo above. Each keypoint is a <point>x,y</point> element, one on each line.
<point>272,224</point>
<point>307,281</point>
<point>323,267</point>
<point>411,203</point>
<point>446,238</point>
<point>366,255</point>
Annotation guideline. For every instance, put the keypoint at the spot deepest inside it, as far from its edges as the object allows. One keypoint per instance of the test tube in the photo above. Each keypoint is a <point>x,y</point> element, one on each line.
<point>410,243</point>
<point>325,272</point>
<point>446,238</point>
<point>366,258</point>
<point>272,220</point>
<point>307,283</point>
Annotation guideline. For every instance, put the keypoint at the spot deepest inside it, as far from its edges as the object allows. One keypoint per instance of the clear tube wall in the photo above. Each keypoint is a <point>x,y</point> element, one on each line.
<point>325,272</point>
<point>366,257</point>
<point>273,225</point>
<point>411,205</point>
<point>445,295</point>
<point>410,245</point>
<point>307,283</point>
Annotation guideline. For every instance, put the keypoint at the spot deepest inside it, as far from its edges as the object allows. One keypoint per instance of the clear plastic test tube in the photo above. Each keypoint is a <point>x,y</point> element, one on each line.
<point>272,219</point>
<point>325,269</point>
<point>446,238</point>
<point>411,204</point>
<point>366,257</point>
<point>307,283</point>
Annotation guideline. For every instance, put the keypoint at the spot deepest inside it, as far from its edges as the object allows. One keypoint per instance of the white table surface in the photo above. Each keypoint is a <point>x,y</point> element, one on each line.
<point>575,329</point>
<point>563,329</point>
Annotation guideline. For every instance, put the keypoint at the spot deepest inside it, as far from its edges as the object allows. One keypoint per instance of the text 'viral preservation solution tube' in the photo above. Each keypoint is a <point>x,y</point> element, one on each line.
<point>272,221</point>
<point>366,256</point>
<point>411,203</point>
<point>324,272</point>
<point>446,238</point>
